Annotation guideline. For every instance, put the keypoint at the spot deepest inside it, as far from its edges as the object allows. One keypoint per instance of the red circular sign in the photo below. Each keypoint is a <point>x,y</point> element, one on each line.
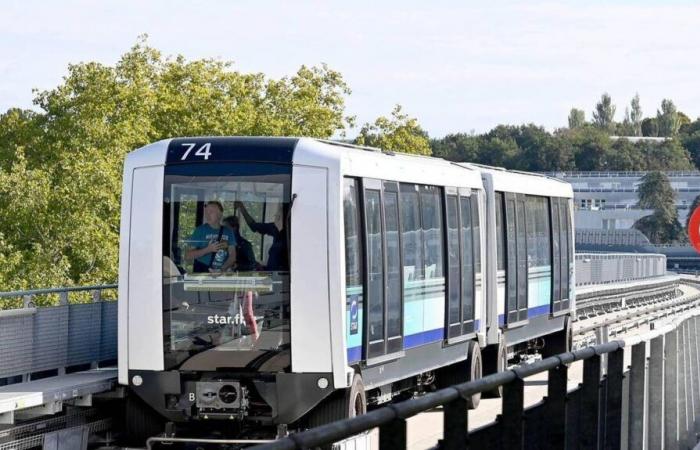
<point>694,229</point>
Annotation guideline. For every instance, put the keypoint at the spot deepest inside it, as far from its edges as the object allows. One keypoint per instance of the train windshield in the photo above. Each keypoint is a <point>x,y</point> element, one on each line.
<point>226,266</point>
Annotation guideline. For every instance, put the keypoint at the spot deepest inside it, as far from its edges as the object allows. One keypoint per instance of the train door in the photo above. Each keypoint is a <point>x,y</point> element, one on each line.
<point>463,248</point>
<point>517,265</point>
<point>384,306</point>
<point>561,253</point>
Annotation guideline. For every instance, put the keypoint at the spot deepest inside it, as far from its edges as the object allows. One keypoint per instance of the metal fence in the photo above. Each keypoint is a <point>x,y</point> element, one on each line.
<point>604,268</point>
<point>655,403</point>
<point>38,339</point>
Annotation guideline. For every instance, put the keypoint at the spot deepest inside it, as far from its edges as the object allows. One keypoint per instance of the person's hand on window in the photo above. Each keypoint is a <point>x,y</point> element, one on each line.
<point>215,246</point>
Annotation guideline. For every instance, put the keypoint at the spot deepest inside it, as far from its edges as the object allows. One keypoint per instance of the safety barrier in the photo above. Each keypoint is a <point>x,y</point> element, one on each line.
<point>56,338</point>
<point>647,406</point>
<point>604,268</point>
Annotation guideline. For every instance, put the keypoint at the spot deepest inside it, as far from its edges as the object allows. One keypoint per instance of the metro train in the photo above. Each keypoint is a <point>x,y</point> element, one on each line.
<point>283,283</point>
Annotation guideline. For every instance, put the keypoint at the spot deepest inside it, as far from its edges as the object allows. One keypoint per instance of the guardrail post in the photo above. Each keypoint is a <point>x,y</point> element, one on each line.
<point>613,400</point>
<point>28,301</point>
<point>694,371</point>
<point>455,421</point>
<point>96,295</point>
<point>683,387</point>
<point>392,435</point>
<point>656,393</point>
<point>63,298</point>
<point>671,390</point>
<point>512,425</point>
<point>590,404</point>
<point>635,430</point>
<point>556,407</point>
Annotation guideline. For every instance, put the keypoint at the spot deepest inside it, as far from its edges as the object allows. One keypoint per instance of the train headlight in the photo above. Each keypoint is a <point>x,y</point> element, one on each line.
<point>137,380</point>
<point>322,383</point>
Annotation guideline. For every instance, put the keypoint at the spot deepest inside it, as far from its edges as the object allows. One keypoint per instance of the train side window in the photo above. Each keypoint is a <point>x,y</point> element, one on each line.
<point>500,251</point>
<point>454,322</point>
<point>467,260</point>
<point>556,254</point>
<point>375,266</point>
<point>353,260</point>
<point>543,233</point>
<point>532,249</point>
<point>411,234</point>
<point>476,231</point>
<point>431,214</point>
<point>393,264</point>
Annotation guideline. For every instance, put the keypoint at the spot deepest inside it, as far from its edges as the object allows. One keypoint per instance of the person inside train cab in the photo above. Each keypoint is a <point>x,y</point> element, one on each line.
<point>277,256</point>
<point>245,255</point>
<point>213,245</point>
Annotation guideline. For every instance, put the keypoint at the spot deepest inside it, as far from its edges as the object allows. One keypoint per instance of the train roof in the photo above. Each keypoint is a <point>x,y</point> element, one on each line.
<point>524,182</point>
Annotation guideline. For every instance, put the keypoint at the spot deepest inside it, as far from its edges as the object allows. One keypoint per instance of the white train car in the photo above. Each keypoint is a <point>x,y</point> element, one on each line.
<point>358,276</point>
<point>530,262</point>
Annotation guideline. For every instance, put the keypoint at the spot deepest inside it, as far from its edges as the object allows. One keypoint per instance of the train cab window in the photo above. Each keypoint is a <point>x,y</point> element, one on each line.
<point>219,288</point>
<point>564,246</point>
<point>353,263</point>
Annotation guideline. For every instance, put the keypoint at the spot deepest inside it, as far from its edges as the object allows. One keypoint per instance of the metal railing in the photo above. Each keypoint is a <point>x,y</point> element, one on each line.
<point>59,336</point>
<point>604,268</point>
<point>661,407</point>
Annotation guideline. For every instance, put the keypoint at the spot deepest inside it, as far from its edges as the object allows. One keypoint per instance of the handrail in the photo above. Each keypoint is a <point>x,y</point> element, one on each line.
<point>58,290</point>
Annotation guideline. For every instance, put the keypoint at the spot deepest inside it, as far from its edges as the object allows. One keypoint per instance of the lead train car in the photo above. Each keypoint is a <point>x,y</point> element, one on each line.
<point>367,281</point>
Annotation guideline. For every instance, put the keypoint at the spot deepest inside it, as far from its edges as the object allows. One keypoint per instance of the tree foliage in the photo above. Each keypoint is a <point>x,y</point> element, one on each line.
<point>399,133</point>
<point>577,118</point>
<point>61,167</point>
<point>662,225</point>
<point>667,119</point>
<point>604,113</point>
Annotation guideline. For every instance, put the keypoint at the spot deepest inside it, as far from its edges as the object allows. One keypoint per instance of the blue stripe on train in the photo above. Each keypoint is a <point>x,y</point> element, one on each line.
<point>531,312</point>
<point>413,340</point>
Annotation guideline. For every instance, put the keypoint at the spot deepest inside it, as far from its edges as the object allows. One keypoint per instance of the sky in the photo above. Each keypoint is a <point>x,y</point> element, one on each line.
<point>455,66</point>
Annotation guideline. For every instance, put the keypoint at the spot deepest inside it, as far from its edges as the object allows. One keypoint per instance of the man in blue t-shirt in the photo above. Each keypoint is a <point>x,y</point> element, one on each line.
<point>213,246</point>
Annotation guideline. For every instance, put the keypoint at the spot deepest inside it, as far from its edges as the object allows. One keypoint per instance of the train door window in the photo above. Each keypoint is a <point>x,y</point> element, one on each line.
<point>394,322</point>
<point>353,267</point>
<point>511,251</point>
<point>454,321</point>
<point>431,215</point>
<point>500,251</point>
<point>564,250</point>
<point>476,227</point>
<point>411,236</point>
<point>521,225</point>
<point>556,261</point>
<point>467,239</point>
<point>538,242</point>
<point>375,273</point>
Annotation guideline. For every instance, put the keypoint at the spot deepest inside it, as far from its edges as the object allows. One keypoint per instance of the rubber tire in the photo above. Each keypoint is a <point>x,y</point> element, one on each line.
<point>340,405</point>
<point>495,360</point>
<point>559,342</point>
<point>140,422</point>
<point>469,370</point>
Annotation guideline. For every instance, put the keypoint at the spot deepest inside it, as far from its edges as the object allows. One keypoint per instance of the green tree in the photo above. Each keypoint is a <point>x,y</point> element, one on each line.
<point>399,133</point>
<point>61,167</point>
<point>604,114</point>
<point>461,147</point>
<point>650,127</point>
<point>693,206</point>
<point>577,118</point>
<point>668,119</point>
<point>636,116</point>
<point>662,225</point>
